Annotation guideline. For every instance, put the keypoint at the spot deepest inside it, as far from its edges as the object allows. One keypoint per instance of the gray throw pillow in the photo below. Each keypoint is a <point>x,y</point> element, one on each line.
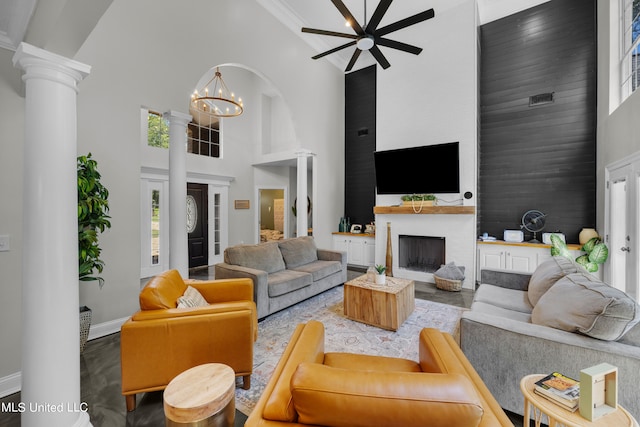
<point>547,274</point>
<point>298,251</point>
<point>263,256</point>
<point>581,303</point>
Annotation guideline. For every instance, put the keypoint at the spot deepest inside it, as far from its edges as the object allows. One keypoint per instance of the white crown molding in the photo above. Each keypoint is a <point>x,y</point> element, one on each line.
<point>290,19</point>
<point>14,20</point>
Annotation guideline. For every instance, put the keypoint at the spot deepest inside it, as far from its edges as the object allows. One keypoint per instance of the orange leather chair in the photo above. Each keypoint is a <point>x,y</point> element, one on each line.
<point>160,341</point>
<point>312,388</point>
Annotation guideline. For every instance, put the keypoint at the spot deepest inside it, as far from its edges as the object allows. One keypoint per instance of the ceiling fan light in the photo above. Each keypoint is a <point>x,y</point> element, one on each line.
<point>365,43</point>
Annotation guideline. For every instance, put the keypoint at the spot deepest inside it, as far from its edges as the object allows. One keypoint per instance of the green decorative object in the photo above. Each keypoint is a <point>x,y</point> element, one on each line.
<point>380,268</point>
<point>418,197</point>
<point>596,252</point>
<point>93,218</point>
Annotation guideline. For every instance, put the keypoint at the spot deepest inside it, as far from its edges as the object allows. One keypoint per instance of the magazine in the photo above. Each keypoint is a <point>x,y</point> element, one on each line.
<point>560,388</point>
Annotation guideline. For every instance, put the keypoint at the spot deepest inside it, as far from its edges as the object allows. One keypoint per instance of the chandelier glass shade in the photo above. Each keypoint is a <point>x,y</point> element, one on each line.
<point>215,99</point>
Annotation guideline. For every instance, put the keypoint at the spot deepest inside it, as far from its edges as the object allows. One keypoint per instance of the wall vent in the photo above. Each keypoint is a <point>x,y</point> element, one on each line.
<point>541,99</point>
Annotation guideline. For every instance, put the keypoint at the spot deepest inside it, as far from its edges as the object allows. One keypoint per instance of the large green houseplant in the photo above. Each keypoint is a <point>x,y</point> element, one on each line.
<point>596,252</point>
<point>93,218</point>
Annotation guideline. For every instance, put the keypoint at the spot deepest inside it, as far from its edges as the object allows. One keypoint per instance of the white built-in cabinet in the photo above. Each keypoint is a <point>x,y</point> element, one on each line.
<point>520,257</point>
<point>360,248</point>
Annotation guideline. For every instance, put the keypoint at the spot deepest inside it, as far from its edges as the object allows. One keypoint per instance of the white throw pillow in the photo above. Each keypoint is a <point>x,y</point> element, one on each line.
<point>192,298</point>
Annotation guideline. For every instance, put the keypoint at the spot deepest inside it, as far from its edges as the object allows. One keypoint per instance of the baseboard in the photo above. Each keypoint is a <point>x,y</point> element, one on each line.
<point>13,383</point>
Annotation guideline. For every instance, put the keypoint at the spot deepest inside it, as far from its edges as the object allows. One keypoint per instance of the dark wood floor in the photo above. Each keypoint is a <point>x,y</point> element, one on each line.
<point>100,373</point>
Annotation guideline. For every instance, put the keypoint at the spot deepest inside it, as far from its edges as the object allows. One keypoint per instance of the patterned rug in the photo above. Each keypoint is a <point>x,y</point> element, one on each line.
<point>341,334</point>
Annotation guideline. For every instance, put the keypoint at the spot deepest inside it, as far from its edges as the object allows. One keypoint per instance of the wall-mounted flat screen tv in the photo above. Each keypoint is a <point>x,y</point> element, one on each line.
<point>419,170</point>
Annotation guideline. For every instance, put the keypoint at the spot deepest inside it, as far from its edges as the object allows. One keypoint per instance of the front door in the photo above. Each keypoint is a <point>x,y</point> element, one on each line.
<point>197,224</point>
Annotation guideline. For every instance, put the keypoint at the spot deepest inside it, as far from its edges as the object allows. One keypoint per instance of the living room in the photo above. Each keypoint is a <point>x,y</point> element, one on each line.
<point>146,55</point>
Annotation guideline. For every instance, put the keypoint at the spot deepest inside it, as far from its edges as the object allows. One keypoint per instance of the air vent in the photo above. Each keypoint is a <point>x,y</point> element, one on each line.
<point>363,132</point>
<point>541,99</point>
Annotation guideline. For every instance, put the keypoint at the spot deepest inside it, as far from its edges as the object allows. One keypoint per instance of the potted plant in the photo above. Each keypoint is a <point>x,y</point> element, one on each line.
<point>93,218</point>
<point>380,277</point>
<point>418,200</point>
<point>596,252</point>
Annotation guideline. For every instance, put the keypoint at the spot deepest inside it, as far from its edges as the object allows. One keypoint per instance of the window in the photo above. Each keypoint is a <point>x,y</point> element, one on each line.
<point>203,134</point>
<point>157,130</point>
<point>630,46</point>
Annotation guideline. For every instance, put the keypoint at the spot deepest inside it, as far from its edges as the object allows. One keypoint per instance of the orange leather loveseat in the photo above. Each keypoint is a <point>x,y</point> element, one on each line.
<point>160,341</point>
<point>311,387</point>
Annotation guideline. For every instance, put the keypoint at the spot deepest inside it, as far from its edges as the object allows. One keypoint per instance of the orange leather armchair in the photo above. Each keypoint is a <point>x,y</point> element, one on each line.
<point>312,388</point>
<point>160,341</point>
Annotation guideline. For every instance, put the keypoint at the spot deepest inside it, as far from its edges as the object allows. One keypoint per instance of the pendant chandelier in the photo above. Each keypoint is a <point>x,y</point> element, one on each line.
<point>215,99</point>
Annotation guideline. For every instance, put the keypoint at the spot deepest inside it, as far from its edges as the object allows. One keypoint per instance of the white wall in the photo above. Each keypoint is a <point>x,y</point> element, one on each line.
<point>152,53</point>
<point>429,99</point>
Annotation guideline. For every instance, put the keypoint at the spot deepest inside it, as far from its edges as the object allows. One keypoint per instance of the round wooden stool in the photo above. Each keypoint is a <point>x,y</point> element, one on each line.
<point>201,396</point>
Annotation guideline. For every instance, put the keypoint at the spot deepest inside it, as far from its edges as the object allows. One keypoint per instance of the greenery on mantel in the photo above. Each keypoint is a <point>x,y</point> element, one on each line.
<point>417,197</point>
<point>93,218</point>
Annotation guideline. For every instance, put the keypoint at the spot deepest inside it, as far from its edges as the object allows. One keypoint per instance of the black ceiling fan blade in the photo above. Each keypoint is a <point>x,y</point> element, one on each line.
<point>403,23</point>
<point>353,60</point>
<point>375,51</point>
<point>329,33</point>
<point>335,49</point>
<point>377,15</point>
<point>398,45</point>
<point>348,16</point>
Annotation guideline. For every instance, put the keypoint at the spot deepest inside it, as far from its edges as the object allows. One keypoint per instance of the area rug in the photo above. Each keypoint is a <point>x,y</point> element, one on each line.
<point>341,334</point>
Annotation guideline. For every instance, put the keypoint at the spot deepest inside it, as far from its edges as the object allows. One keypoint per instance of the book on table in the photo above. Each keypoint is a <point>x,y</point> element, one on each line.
<point>559,388</point>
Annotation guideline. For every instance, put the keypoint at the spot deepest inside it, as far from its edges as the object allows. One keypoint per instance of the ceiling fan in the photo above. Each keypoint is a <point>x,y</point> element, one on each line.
<point>370,37</point>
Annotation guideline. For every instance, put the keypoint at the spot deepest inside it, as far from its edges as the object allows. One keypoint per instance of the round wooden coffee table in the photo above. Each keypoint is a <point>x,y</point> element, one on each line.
<point>559,416</point>
<point>201,396</point>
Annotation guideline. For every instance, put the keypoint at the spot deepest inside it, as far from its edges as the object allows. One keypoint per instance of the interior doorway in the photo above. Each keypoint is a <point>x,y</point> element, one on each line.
<point>272,214</point>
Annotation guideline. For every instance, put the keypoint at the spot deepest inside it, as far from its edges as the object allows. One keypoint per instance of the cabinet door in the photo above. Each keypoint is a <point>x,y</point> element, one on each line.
<point>340,243</point>
<point>369,252</point>
<point>491,257</point>
<point>522,259</point>
<point>356,251</point>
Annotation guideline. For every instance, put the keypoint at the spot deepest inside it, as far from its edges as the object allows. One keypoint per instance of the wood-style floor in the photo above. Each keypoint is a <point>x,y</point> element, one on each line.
<point>100,373</point>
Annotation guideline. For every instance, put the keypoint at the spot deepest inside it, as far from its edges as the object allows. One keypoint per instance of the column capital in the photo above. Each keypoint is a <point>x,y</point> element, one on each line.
<point>42,64</point>
<point>304,153</point>
<point>177,117</point>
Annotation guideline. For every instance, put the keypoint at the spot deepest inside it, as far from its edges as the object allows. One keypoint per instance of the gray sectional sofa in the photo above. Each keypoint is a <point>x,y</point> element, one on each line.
<point>284,272</point>
<point>560,318</point>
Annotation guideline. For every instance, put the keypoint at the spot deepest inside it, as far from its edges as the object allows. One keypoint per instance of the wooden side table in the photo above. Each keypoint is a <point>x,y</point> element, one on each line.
<point>201,396</point>
<point>558,416</point>
<point>385,306</point>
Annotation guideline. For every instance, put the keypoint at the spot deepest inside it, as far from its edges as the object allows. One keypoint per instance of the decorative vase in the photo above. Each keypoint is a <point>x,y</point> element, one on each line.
<point>85,325</point>
<point>389,257</point>
<point>381,279</point>
<point>587,234</point>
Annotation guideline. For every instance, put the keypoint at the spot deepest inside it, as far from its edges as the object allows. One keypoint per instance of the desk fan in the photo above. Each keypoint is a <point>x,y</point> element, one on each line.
<point>534,222</point>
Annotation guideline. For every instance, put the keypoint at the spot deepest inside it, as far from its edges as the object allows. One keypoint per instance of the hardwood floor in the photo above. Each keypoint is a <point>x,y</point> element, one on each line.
<point>100,373</point>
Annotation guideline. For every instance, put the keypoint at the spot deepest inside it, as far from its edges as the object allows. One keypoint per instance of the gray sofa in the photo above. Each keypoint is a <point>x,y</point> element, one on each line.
<point>284,272</point>
<point>560,318</point>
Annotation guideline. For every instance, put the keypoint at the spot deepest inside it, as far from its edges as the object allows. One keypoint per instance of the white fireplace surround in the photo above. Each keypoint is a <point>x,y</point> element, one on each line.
<point>458,230</point>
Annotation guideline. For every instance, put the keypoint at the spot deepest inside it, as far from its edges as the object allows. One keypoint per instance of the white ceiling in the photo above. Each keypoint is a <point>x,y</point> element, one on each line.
<point>17,15</point>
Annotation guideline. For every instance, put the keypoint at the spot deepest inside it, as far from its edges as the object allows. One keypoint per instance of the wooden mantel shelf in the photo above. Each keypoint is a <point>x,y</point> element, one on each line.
<point>395,210</point>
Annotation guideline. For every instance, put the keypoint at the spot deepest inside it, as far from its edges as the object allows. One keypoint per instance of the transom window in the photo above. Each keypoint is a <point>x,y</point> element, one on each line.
<point>630,46</point>
<point>203,136</point>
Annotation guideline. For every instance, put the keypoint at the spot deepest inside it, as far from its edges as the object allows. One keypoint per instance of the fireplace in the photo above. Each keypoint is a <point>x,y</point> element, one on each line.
<point>421,253</point>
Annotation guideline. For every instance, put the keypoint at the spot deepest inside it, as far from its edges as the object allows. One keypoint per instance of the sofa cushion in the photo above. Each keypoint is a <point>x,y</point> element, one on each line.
<point>263,256</point>
<point>328,396</point>
<point>580,302</point>
<point>192,298</point>
<point>509,299</point>
<point>493,310</point>
<point>320,269</point>
<point>162,291</point>
<point>547,274</point>
<point>285,281</point>
<point>298,251</point>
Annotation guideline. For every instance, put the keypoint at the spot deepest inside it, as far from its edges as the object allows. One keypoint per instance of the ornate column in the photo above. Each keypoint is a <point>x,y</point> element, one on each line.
<point>50,300</point>
<point>302,222</point>
<point>178,238</point>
